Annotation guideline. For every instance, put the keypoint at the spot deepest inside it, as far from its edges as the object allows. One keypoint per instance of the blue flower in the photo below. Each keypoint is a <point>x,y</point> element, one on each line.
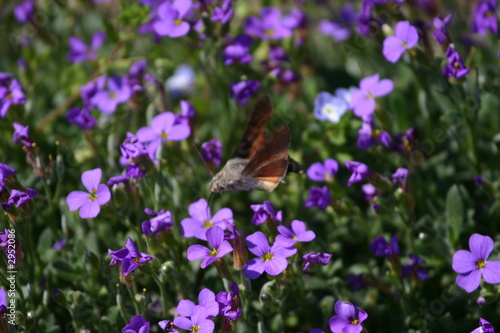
<point>329,107</point>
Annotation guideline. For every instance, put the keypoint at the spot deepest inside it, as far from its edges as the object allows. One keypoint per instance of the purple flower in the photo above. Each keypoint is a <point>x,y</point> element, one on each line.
<point>485,17</point>
<point>223,13</point>
<point>59,244</point>
<point>170,18</point>
<point>348,319</point>
<point>89,90</point>
<point>441,33</point>
<point>80,52</point>
<point>319,197</point>
<point>118,91</point>
<point>455,66</point>
<point>128,257</point>
<point>323,171</point>
<point>470,266</point>
<point>163,129</point>
<point>329,107</point>
<point>228,303</point>
<point>168,326</point>
<point>21,133</point>
<point>5,172</point>
<point>211,151</point>
<point>355,282</point>
<point>359,171</point>
<point>89,203</point>
<point>18,198</point>
<point>337,31</point>
<point>3,302</point>
<point>296,233</point>
<point>161,221</point>
<point>369,191</point>
<point>206,300</point>
<point>136,73</point>
<point>265,212</point>
<point>237,52</point>
<point>269,26</point>
<point>132,149</point>
<point>415,268</point>
<point>380,247</point>
<point>198,323</point>
<point>484,327</point>
<point>405,38</point>
<point>24,11</point>
<point>220,247</point>
<point>400,177</point>
<point>316,258</point>
<point>10,93</point>
<point>363,99</point>
<point>201,220</point>
<point>242,91</point>
<point>81,117</point>
<point>271,259</point>
<point>187,113</point>
<point>182,82</point>
<point>137,325</point>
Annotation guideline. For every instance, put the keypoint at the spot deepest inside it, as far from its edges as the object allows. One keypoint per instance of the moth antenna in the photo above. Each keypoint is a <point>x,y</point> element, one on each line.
<point>210,199</point>
<point>203,160</point>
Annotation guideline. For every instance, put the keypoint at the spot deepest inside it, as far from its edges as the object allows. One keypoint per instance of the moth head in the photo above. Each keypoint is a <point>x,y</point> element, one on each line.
<point>217,184</point>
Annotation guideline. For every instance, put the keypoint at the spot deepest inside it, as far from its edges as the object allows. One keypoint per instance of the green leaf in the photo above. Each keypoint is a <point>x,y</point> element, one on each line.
<point>455,212</point>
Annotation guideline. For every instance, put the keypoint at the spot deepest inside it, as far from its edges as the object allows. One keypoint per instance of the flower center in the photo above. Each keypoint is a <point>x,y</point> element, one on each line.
<point>136,259</point>
<point>112,94</point>
<point>178,22</point>
<point>456,65</point>
<point>267,256</point>
<point>164,135</point>
<point>93,195</point>
<point>10,96</point>
<point>354,321</point>
<point>195,328</point>
<point>269,32</point>
<point>294,237</point>
<point>404,44</point>
<point>481,264</point>
<point>489,14</point>
<point>328,109</point>
<point>214,252</point>
<point>369,95</point>
<point>207,224</point>
<point>328,177</point>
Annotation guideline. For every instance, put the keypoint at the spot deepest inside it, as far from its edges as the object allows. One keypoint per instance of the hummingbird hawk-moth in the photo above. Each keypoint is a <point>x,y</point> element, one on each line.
<point>259,162</point>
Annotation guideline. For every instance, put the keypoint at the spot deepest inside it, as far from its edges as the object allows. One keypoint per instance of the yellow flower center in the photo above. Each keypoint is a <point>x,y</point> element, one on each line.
<point>489,14</point>
<point>404,44</point>
<point>93,195</point>
<point>267,256</point>
<point>481,264</point>
<point>328,177</point>
<point>354,321</point>
<point>294,237</point>
<point>195,328</point>
<point>178,22</point>
<point>136,259</point>
<point>10,96</point>
<point>269,32</point>
<point>214,252</point>
<point>164,135</point>
<point>370,95</point>
<point>456,65</point>
<point>207,224</point>
<point>112,94</point>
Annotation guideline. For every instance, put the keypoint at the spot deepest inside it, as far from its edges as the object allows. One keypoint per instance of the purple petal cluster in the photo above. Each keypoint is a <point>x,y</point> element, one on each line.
<point>270,258</point>
<point>474,264</point>
<point>340,30</point>
<point>323,171</point>
<point>5,172</point>
<point>197,323</point>
<point>3,302</point>
<point>297,232</point>
<point>81,117</point>
<point>128,257</point>
<point>455,66</point>
<point>237,51</point>
<point>348,318</point>
<point>224,13</point>
<point>11,92</point>
<point>381,248</point>
<point>269,26</point>
<point>265,212</point>
<point>171,18</point>
<point>405,38</point>
<point>313,258</point>
<point>18,198</point>
<point>206,300</point>
<point>115,91</point>
<point>319,197</point>
<point>359,171</point>
<point>229,302</point>
<point>485,17</point>
<point>218,248</point>
<point>161,221</point>
<point>80,52</point>
<point>441,32</point>
<point>363,99</point>
<point>484,327</point>
<point>415,268</point>
<point>187,113</point>
<point>201,220</point>
<point>242,91</point>
<point>21,134</point>
<point>89,202</point>
<point>137,325</point>
<point>24,11</point>
<point>211,151</point>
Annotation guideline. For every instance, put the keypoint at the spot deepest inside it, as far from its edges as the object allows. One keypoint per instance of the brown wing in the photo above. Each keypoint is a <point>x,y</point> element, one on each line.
<point>265,162</point>
<point>255,135</point>
<point>271,174</point>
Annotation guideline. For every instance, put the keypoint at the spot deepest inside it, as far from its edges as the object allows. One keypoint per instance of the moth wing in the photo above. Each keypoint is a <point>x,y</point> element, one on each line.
<point>274,149</point>
<point>270,174</point>
<point>255,135</point>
